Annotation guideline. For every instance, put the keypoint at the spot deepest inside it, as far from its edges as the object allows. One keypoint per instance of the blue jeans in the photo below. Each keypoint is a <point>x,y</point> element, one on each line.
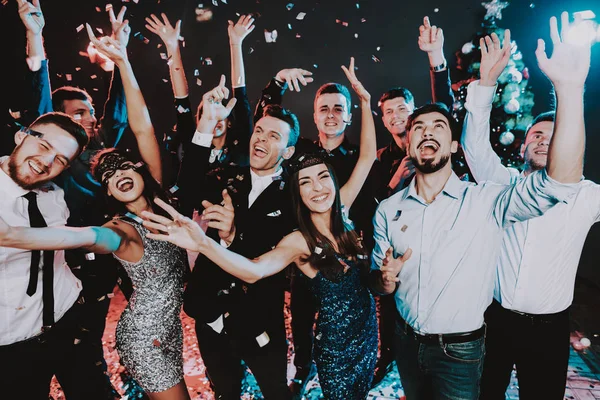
<point>438,371</point>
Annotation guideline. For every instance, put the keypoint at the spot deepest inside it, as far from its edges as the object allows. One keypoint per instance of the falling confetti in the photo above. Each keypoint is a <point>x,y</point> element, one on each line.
<point>98,9</point>
<point>141,37</point>
<point>198,81</point>
<point>93,76</point>
<point>270,37</point>
<point>363,20</point>
<point>298,36</point>
<point>207,61</point>
<point>301,15</point>
<point>69,77</point>
<point>203,14</point>
<point>289,6</point>
<point>163,56</point>
<point>378,48</point>
<point>356,35</point>
<point>290,26</point>
<point>196,72</point>
<point>79,28</point>
<point>375,58</point>
<point>436,10</point>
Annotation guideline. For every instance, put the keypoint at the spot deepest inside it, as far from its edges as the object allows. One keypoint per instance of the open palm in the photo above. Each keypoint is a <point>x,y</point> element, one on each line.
<point>570,61</point>
<point>181,230</point>
<point>168,33</point>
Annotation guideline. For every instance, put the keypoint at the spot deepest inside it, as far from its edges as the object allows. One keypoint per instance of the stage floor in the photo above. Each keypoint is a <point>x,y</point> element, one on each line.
<point>583,376</point>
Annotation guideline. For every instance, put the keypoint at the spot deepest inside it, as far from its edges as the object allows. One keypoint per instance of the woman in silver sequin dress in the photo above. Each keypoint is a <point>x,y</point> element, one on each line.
<point>327,250</point>
<point>149,334</point>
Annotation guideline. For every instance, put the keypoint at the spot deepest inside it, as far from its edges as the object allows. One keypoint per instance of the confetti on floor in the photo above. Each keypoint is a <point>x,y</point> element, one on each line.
<point>583,376</point>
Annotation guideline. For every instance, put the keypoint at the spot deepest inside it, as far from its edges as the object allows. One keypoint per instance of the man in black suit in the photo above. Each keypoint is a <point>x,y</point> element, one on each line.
<point>236,321</point>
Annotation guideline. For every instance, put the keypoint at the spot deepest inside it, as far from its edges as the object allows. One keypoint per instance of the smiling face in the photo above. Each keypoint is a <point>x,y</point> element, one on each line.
<point>331,114</point>
<point>317,189</point>
<point>124,184</point>
<point>395,114</point>
<point>83,112</point>
<point>41,155</point>
<point>535,148</point>
<point>269,145</point>
<point>430,142</point>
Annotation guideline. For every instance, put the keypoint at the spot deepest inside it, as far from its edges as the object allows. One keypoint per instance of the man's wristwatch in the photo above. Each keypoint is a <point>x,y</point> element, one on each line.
<point>440,67</point>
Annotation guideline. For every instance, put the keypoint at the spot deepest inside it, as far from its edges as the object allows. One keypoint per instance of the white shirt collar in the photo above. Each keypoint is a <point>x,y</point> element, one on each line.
<point>265,179</point>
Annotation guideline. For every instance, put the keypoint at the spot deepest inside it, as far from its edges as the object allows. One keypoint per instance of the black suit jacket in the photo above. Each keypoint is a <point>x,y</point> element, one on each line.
<point>251,309</point>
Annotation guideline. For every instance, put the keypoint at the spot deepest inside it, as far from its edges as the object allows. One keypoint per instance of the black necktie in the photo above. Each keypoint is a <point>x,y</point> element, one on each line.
<point>36,220</point>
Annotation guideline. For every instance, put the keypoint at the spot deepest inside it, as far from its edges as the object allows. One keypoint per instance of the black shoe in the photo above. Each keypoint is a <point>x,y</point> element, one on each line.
<point>301,379</point>
<point>382,368</point>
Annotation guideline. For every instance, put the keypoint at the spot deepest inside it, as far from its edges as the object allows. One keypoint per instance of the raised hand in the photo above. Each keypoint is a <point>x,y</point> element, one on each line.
<point>108,46</point>
<point>181,230</point>
<point>431,38</point>
<point>570,61</point>
<point>120,27</point>
<point>294,77</point>
<point>494,58</point>
<point>168,33</point>
<point>221,217</point>
<point>32,16</point>
<point>212,107</point>
<point>238,31</point>
<point>392,266</point>
<point>360,90</point>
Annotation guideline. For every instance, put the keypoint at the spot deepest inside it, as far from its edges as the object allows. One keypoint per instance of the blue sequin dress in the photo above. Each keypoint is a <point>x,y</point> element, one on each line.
<point>346,334</point>
<point>149,335</point>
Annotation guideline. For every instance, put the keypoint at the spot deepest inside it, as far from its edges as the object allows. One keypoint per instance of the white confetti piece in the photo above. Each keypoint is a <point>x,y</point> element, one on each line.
<point>79,28</point>
<point>301,15</point>
<point>93,76</point>
<point>163,56</point>
<point>100,30</point>
<point>198,81</point>
<point>270,37</point>
<point>196,72</point>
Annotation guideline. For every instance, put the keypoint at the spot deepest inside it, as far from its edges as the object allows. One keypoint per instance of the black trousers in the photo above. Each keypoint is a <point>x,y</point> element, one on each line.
<point>303,308</point>
<point>27,367</point>
<point>537,344</point>
<point>223,355</point>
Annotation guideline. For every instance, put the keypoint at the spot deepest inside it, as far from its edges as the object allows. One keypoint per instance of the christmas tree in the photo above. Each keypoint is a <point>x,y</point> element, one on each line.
<point>511,112</point>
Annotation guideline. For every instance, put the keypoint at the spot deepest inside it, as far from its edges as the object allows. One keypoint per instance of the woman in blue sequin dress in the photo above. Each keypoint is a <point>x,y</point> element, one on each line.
<point>326,249</point>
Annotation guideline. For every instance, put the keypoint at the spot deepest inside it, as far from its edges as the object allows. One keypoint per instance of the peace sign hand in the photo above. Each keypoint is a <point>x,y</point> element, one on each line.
<point>110,47</point>
<point>120,28</point>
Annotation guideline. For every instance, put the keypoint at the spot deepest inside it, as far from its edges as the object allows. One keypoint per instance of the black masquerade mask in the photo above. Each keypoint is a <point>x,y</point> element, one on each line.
<point>110,164</point>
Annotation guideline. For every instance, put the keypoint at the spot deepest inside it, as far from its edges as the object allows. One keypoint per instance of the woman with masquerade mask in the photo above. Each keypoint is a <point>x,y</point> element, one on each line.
<point>149,335</point>
<point>326,249</point>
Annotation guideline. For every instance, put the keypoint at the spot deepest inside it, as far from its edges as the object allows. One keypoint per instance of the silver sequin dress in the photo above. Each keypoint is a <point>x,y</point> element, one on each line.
<point>149,335</point>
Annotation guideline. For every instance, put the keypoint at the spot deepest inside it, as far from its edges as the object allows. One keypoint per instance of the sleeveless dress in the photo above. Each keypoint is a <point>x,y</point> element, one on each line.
<point>346,334</point>
<point>149,336</point>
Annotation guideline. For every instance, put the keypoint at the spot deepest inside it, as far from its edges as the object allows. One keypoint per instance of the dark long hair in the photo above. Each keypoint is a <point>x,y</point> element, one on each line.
<point>152,188</point>
<point>348,243</point>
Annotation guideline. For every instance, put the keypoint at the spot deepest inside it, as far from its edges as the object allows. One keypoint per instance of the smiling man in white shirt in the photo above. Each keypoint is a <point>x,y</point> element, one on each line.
<point>538,260</point>
<point>38,292</point>
<point>449,234</point>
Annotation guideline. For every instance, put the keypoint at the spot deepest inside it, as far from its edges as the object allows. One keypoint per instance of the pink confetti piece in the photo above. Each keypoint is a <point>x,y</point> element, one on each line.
<point>4,2</point>
<point>98,9</point>
<point>100,30</point>
<point>69,77</point>
<point>298,36</point>
<point>345,23</point>
<point>198,81</point>
<point>363,20</point>
<point>79,28</point>
<point>93,76</point>
<point>165,80</point>
<point>77,68</point>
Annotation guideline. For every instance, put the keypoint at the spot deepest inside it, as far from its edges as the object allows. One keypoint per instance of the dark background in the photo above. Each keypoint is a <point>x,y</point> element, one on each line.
<point>322,47</point>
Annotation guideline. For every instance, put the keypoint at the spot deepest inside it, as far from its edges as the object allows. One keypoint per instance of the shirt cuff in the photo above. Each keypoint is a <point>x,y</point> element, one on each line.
<point>202,139</point>
<point>480,96</point>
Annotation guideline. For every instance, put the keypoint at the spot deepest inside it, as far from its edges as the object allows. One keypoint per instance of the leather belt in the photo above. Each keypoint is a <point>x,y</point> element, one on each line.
<point>440,338</point>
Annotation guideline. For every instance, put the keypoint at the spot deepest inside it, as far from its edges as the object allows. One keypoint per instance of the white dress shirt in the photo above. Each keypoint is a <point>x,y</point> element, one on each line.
<point>260,183</point>
<point>539,258</point>
<point>448,282</point>
<point>21,315</point>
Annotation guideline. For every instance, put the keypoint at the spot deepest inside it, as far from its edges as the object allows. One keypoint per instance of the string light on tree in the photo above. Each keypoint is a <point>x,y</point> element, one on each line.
<point>494,9</point>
